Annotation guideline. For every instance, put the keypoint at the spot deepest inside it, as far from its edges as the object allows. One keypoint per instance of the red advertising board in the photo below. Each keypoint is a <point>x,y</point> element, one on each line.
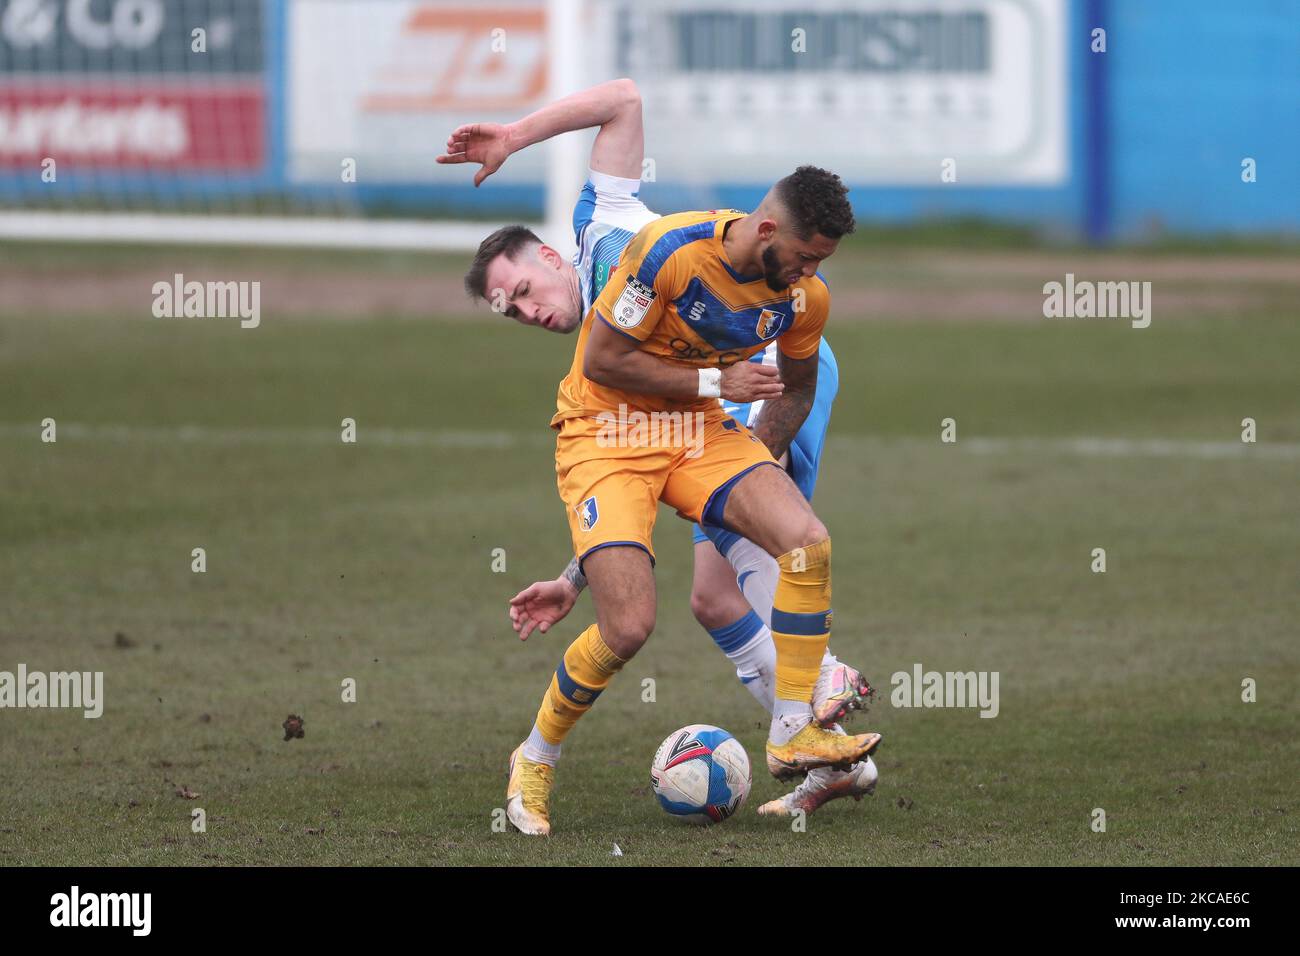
<point>133,126</point>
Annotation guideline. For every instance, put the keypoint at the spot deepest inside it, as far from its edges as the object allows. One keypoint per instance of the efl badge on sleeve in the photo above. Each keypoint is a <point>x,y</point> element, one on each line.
<point>633,304</point>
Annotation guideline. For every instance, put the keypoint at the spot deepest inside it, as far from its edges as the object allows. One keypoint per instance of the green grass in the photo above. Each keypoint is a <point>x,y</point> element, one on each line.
<point>373,561</point>
<point>870,238</point>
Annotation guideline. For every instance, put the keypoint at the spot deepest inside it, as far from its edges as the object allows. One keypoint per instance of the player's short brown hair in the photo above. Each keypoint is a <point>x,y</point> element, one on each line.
<point>817,202</point>
<point>507,241</point>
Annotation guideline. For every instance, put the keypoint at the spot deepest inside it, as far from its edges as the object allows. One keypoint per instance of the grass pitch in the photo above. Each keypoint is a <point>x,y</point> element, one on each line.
<point>374,561</point>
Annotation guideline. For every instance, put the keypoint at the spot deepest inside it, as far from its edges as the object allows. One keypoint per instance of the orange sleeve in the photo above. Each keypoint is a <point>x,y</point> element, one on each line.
<point>637,295</point>
<point>804,337</point>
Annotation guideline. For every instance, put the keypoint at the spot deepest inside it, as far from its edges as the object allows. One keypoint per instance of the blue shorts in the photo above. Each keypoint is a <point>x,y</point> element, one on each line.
<point>805,450</point>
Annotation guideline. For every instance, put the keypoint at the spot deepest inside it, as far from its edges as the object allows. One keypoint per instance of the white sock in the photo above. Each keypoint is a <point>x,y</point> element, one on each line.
<point>539,750</point>
<point>788,718</point>
<point>748,644</point>
<point>756,668</point>
<point>757,573</point>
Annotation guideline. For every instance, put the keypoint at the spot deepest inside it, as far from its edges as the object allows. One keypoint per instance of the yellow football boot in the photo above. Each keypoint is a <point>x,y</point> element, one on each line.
<point>528,794</point>
<point>813,747</point>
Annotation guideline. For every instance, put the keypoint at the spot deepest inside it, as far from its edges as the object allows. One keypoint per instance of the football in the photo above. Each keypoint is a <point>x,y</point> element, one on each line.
<point>701,774</point>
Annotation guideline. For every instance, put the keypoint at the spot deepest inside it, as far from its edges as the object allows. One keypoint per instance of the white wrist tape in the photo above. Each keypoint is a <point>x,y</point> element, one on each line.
<point>710,383</point>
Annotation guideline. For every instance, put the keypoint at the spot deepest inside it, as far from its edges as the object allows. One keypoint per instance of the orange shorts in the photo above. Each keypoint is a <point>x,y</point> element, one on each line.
<point>612,479</point>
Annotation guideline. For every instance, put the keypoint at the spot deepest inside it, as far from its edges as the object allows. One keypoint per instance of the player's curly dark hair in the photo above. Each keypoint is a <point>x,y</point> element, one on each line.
<point>507,241</point>
<point>817,202</point>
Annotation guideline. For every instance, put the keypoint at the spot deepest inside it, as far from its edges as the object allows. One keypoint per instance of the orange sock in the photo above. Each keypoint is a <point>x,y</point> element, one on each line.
<point>585,670</point>
<point>801,619</point>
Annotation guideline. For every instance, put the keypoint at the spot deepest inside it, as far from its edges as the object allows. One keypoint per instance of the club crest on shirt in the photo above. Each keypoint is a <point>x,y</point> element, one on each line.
<point>588,514</point>
<point>768,323</point>
<point>633,304</point>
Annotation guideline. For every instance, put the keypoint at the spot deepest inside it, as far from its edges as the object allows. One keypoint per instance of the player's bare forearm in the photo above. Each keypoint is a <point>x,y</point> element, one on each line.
<point>614,106</point>
<point>645,374</point>
<point>573,574</point>
<point>616,361</point>
<point>782,417</point>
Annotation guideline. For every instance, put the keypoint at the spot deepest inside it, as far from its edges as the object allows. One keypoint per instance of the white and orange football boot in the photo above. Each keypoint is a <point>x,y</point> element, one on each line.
<point>528,795</point>
<point>823,785</point>
<point>839,691</point>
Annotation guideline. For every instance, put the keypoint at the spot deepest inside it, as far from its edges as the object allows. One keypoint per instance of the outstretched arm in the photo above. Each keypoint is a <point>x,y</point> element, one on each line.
<point>615,107</point>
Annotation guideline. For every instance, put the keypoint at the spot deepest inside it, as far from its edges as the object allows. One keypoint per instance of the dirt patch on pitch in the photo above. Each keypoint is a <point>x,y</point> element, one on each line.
<point>290,293</point>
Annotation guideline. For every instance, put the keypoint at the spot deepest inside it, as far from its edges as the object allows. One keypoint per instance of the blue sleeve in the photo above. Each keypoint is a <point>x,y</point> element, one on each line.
<point>810,441</point>
<point>584,211</point>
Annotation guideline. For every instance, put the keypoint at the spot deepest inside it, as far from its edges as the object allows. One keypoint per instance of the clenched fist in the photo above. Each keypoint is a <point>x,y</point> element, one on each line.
<point>751,382</point>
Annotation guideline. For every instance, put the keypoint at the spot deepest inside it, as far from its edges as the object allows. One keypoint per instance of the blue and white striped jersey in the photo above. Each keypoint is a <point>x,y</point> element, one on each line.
<point>607,216</point>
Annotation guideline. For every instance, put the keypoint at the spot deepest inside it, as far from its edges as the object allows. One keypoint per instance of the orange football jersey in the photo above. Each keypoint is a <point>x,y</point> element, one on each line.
<point>675,293</point>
